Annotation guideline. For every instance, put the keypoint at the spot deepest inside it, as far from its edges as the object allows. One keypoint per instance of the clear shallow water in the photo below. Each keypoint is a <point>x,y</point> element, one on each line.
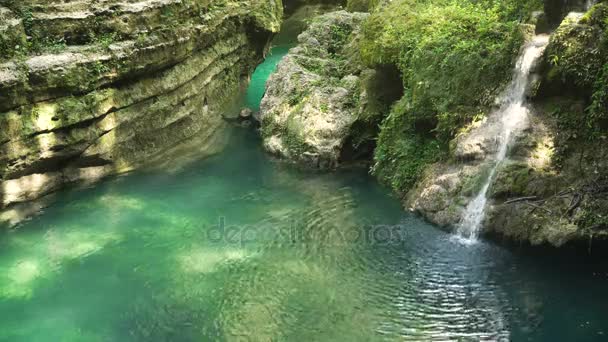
<point>237,247</point>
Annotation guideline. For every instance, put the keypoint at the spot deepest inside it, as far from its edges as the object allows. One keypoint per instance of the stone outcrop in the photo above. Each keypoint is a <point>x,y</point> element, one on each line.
<point>561,164</point>
<point>446,188</point>
<point>552,187</point>
<point>92,88</point>
<point>315,97</point>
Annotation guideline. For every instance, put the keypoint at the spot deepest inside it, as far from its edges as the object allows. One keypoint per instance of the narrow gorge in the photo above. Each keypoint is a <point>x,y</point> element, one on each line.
<point>90,89</point>
<point>303,170</point>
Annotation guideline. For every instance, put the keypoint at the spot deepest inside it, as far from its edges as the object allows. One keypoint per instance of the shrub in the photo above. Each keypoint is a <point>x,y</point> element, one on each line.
<point>454,57</point>
<point>361,5</point>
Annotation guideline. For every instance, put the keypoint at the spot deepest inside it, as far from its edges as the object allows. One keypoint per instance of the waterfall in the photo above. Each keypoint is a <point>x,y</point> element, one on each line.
<point>589,4</point>
<point>513,115</point>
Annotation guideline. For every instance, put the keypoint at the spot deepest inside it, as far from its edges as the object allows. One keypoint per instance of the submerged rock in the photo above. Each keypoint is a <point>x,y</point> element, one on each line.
<point>314,97</point>
<point>246,113</point>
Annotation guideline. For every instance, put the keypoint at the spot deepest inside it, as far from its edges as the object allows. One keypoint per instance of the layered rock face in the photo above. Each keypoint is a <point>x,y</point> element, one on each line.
<point>91,88</point>
<point>314,98</point>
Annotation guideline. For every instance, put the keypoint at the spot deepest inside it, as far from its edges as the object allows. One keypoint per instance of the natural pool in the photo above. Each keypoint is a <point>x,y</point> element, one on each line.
<point>302,257</point>
<point>238,247</point>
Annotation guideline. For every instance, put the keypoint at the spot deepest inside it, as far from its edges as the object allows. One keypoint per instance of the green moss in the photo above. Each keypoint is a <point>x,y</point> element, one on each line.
<point>400,158</point>
<point>597,113</point>
<point>512,180</point>
<point>450,55</point>
<point>293,135</point>
<point>296,97</point>
<point>362,5</point>
<point>593,215</point>
<point>454,57</point>
<point>324,107</point>
<point>574,88</point>
<point>473,184</point>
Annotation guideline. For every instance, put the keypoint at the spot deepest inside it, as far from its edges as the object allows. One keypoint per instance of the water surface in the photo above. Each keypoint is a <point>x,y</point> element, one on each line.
<point>239,246</point>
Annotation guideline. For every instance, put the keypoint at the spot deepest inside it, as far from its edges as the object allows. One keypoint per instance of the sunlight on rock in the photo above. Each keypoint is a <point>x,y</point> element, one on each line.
<point>44,115</point>
<point>88,175</point>
<point>108,123</point>
<point>21,212</point>
<point>46,143</point>
<point>28,187</point>
<point>543,154</point>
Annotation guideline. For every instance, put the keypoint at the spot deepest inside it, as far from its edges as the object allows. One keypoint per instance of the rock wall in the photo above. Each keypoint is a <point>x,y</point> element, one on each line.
<point>92,88</point>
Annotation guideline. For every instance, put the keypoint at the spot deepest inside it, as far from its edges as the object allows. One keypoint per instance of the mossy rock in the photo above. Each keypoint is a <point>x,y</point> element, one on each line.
<point>576,54</point>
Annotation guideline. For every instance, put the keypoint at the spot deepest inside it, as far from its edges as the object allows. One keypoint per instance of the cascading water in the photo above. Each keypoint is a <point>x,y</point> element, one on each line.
<point>513,115</point>
<point>589,4</point>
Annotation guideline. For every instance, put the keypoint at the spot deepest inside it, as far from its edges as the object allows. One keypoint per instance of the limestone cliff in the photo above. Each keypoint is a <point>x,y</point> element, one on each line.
<point>321,103</point>
<point>91,88</point>
<point>560,165</point>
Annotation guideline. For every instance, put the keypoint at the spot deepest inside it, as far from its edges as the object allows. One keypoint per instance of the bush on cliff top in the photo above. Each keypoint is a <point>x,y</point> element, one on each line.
<point>576,70</point>
<point>454,57</point>
<point>361,5</point>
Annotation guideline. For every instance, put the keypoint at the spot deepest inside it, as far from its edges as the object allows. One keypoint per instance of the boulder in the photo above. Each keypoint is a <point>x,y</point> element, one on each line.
<point>246,114</point>
<point>313,98</point>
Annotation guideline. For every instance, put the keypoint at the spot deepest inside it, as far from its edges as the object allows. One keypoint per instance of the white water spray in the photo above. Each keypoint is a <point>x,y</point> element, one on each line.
<point>513,115</point>
<point>589,4</point>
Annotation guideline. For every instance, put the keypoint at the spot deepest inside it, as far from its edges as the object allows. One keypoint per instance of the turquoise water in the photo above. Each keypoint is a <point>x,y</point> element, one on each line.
<point>257,85</point>
<point>238,247</point>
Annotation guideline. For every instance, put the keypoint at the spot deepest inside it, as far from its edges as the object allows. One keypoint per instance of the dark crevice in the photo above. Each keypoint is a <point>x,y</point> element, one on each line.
<point>383,88</point>
<point>80,124</point>
<point>88,161</point>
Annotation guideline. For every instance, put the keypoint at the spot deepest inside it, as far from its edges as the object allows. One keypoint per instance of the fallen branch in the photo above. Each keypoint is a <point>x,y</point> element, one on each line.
<point>574,203</point>
<point>521,199</point>
<point>539,207</point>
